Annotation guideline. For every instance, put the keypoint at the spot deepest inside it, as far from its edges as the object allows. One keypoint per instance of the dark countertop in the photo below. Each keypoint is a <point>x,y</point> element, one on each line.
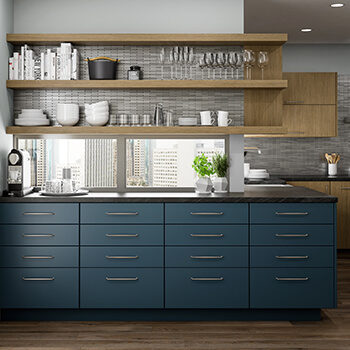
<point>252,195</point>
<point>340,177</point>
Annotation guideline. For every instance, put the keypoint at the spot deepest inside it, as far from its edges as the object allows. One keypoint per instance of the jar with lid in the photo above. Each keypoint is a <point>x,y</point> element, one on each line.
<point>135,73</point>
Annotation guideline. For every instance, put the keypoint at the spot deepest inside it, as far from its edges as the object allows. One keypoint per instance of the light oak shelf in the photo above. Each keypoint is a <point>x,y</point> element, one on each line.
<point>146,84</point>
<point>152,130</point>
<point>148,39</point>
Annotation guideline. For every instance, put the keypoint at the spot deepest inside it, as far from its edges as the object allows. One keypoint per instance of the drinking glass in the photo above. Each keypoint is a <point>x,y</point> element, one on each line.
<point>181,61</point>
<point>172,63</point>
<point>231,61</point>
<point>161,60</point>
<point>209,61</point>
<point>238,61</point>
<point>202,64</point>
<point>191,60</point>
<point>176,59</point>
<point>263,60</point>
<point>221,63</point>
<point>249,61</point>
<point>186,54</point>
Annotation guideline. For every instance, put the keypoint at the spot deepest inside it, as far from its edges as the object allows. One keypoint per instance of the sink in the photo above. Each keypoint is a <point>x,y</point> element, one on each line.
<point>268,185</point>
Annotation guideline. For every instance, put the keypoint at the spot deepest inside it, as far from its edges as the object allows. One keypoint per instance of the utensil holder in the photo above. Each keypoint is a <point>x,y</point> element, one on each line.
<point>332,169</point>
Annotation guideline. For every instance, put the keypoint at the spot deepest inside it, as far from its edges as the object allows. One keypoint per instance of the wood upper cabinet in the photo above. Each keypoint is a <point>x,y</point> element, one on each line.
<point>342,191</point>
<point>321,186</point>
<point>310,105</point>
<point>310,88</point>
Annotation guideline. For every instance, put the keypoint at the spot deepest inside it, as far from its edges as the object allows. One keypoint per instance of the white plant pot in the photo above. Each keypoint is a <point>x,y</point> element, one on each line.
<point>204,185</point>
<point>220,184</point>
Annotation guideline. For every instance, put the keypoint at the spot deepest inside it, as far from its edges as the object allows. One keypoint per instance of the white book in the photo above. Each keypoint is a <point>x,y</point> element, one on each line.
<point>58,64</point>
<point>11,68</point>
<point>22,63</point>
<point>53,66</point>
<point>42,66</point>
<point>48,64</point>
<point>37,67</point>
<point>66,50</point>
<point>75,64</point>
<point>29,65</point>
<point>63,62</point>
<point>15,65</point>
<point>69,67</point>
<point>26,62</point>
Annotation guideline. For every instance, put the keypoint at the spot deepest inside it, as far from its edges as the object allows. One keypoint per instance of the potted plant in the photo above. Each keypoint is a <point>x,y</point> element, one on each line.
<point>204,168</point>
<point>220,165</point>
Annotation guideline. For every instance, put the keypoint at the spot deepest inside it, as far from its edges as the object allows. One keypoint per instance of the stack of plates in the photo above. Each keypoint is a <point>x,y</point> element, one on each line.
<point>258,174</point>
<point>32,117</point>
<point>187,121</point>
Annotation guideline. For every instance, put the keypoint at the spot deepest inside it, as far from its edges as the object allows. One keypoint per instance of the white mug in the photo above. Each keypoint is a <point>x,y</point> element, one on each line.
<point>222,119</point>
<point>206,118</point>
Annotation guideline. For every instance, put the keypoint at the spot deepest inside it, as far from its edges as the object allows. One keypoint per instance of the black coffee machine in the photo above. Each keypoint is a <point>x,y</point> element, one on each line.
<point>18,173</point>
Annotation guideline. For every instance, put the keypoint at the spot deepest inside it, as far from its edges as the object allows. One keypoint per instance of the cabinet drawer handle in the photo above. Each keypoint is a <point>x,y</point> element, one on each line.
<point>121,214</point>
<point>112,235</point>
<point>221,213</point>
<point>121,257</point>
<point>122,278</point>
<point>207,278</point>
<point>207,257</point>
<point>277,213</point>
<point>292,235</point>
<point>38,257</point>
<point>25,213</point>
<point>38,278</point>
<point>345,188</point>
<point>292,278</point>
<point>292,102</point>
<point>44,235</point>
<point>292,257</point>
<point>199,235</point>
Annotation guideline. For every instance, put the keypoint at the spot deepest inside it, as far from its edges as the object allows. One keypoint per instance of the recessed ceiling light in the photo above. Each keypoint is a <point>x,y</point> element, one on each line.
<point>337,5</point>
<point>305,30</point>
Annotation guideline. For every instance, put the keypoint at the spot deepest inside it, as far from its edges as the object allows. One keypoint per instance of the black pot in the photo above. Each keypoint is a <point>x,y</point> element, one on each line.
<point>102,68</point>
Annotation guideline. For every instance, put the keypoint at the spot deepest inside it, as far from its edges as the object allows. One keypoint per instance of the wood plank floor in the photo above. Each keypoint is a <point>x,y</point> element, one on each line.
<point>332,333</point>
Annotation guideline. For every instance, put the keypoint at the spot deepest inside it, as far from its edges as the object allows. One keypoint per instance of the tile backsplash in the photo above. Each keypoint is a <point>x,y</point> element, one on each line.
<point>306,155</point>
<point>185,103</point>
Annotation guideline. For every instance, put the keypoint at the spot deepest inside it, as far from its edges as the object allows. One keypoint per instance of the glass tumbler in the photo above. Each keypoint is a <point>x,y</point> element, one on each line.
<point>146,120</point>
<point>135,120</point>
<point>123,120</point>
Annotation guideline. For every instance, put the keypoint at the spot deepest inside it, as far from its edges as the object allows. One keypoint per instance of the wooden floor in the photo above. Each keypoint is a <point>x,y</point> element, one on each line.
<point>333,332</point>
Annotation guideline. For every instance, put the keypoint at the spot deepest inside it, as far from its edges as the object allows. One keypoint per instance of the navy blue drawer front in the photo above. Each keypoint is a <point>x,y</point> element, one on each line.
<point>206,257</point>
<point>291,257</point>
<point>126,288</point>
<point>293,235</point>
<point>291,213</point>
<point>34,288</point>
<point>206,288</point>
<point>122,235</point>
<point>206,213</point>
<point>122,213</point>
<point>39,235</point>
<point>292,288</point>
<point>39,257</point>
<point>206,235</point>
<point>121,257</point>
<point>39,213</point>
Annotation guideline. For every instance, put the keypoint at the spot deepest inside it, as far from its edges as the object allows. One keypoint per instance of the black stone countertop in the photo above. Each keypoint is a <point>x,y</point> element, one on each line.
<point>252,195</point>
<point>340,177</point>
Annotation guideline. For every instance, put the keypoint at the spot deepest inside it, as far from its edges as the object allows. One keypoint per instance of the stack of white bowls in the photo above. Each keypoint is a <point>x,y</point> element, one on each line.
<point>97,114</point>
<point>67,114</point>
<point>258,174</point>
<point>32,117</point>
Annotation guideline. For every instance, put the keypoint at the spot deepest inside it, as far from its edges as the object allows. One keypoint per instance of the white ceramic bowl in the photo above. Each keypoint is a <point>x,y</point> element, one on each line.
<point>97,120</point>
<point>67,114</point>
<point>31,115</point>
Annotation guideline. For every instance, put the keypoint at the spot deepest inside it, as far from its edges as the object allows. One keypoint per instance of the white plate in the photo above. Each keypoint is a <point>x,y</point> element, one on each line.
<point>25,111</point>
<point>32,116</point>
<point>32,122</point>
<point>77,193</point>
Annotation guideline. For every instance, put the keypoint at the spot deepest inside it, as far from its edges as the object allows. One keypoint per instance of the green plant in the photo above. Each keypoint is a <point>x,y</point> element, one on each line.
<point>220,164</point>
<point>202,166</point>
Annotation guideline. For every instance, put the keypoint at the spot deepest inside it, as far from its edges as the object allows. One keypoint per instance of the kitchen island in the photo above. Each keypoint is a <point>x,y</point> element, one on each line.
<point>266,254</point>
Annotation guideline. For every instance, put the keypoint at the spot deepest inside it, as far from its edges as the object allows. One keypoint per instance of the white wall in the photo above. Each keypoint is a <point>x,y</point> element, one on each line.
<point>316,58</point>
<point>6,26</point>
<point>128,16</point>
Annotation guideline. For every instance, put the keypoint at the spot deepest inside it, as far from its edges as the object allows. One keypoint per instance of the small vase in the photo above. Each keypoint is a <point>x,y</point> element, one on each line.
<point>220,184</point>
<point>204,185</point>
<point>332,169</point>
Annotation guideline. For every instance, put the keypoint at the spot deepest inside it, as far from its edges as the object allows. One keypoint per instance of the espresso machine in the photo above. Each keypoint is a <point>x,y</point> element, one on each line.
<point>18,173</point>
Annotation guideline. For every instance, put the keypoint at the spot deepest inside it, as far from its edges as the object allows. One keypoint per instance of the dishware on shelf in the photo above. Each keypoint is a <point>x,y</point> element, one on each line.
<point>145,120</point>
<point>223,119</point>
<point>158,115</point>
<point>172,63</point>
<point>67,114</point>
<point>123,120</point>
<point>32,117</point>
<point>102,68</point>
<point>161,60</point>
<point>209,61</point>
<point>135,120</point>
<point>249,62</point>
<point>97,114</point>
<point>187,121</point>
<point>202,64</point>
<point>112,120</point>
<point>263,60</point>
<point>169,118</point>
<point>191,61</point>
<point>207,118</point>
<point>221,62</point>
<point>238,62</point>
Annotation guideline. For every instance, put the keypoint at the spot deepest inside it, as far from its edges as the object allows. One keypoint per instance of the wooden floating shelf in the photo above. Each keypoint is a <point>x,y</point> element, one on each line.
<point>148,39</point>
<point>152,130</point>
<point>146,84</point>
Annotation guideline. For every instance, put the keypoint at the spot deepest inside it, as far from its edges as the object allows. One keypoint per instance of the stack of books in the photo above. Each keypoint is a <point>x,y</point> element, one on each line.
<point>59,64</point>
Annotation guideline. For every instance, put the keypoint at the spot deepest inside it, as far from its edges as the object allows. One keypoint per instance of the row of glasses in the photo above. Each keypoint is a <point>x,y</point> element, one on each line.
<point>249,58</point>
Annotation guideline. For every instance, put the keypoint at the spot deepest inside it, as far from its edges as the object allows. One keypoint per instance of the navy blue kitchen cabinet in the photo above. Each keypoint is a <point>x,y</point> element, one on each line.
<point>168,256</point>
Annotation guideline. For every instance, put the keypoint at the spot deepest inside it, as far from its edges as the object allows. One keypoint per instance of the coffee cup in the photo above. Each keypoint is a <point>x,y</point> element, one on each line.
<point>207,118</point>
<point>223,119</point>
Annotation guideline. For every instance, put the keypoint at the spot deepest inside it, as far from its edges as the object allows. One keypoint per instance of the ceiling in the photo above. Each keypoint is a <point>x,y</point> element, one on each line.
<point>329,25</point>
